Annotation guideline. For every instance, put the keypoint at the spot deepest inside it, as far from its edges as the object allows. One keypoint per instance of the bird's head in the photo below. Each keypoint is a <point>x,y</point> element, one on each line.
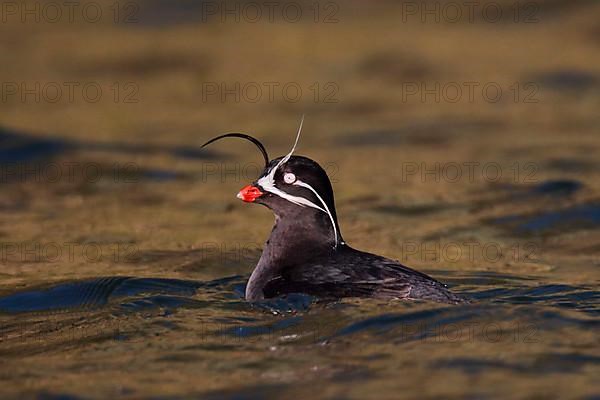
<point>292,187</point>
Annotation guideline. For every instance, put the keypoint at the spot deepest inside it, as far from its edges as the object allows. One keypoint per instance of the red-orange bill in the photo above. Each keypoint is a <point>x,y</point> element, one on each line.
<point>249,193</point>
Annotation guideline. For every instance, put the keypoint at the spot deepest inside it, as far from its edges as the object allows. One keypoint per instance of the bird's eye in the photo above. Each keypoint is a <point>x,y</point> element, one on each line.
<point>289,178</point>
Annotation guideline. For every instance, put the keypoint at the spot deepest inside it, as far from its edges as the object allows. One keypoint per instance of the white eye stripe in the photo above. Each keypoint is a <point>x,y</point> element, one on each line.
<point>289,178</point>
<point>267,182</point>
<point>301,201</point>
<point>298,200</point>
<point>306,185</point>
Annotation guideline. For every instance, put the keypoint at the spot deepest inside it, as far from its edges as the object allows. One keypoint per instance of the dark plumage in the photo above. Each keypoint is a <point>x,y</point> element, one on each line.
<point>301,257</point>
<point>306,253</point>
<point>347,272</point>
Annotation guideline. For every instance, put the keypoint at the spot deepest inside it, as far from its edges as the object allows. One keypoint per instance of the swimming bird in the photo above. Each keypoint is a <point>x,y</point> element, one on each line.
<point>306,252</point>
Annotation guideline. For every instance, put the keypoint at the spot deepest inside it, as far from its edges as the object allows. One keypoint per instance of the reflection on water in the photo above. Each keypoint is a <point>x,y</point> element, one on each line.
<point>22,147</point>
<point>206,321</point>
<point>547,322</point>
<point>528,319</point>
<point>568,80</point>
<point>557,187</point>
<point>171,322</point>
<point>579,217</point>
<point>91,294</point>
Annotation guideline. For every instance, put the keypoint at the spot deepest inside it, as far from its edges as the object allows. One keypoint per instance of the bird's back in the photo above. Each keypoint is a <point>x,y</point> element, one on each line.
<point>352,273</point>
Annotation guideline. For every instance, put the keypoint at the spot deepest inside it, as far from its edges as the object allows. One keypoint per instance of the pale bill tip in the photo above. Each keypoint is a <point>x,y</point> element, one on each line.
<point>239,195</point>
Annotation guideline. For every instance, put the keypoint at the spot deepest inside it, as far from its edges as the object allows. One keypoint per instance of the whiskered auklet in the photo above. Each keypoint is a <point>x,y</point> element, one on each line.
<point>306,253</point>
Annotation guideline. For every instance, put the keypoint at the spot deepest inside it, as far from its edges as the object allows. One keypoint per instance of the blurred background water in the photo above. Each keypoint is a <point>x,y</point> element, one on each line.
<point>461,139</point>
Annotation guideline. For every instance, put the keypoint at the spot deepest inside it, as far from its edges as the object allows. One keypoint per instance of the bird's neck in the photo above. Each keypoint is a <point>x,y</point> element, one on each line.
<point>294,240</point>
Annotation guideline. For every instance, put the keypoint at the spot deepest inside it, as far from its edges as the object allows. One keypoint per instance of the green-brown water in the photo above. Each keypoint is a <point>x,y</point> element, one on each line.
<point>498,199</point>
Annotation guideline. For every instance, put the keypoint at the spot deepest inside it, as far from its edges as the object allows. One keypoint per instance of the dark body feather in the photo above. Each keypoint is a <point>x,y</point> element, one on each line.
<point>306,253</point>
<point>347,272</point>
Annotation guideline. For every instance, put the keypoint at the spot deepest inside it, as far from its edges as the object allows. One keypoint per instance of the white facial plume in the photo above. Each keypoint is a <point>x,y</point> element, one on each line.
<point>267,182</point>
